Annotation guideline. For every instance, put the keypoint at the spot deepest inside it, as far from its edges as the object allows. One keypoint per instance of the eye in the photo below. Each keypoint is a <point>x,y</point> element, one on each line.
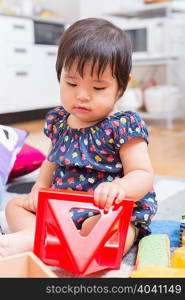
<point>71,84</point>
<point>99,88</point>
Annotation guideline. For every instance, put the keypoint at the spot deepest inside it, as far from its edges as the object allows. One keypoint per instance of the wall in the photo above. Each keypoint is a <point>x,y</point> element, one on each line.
<point>98,8</point>
<point>71,10</point>
<point>68,10</point>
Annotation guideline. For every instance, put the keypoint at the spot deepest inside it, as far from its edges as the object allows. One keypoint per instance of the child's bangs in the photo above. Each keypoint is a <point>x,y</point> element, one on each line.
<point>98,63</point>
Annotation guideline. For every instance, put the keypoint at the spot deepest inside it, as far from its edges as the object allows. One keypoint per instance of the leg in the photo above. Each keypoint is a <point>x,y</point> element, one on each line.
<point>22,225</point>
<point>88,225</point>
<point>132,233</point>
<point>131,237</point>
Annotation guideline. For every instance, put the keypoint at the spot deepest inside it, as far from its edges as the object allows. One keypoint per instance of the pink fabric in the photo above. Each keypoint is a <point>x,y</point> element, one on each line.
<point>27,160</point>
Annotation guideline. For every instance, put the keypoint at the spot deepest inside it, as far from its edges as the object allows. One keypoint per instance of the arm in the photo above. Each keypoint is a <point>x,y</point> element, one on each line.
<point>44,179</point>
<point>138,172</point>
<point>45,176</point>
<point>137,180</point>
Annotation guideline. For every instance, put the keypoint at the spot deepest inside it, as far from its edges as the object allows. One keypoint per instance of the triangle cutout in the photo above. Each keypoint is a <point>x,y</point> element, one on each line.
<point>82,249</point>
<point>83,214</point>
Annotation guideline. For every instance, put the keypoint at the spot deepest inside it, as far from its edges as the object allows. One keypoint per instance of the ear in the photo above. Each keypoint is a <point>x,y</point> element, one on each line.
<point>129,77</point>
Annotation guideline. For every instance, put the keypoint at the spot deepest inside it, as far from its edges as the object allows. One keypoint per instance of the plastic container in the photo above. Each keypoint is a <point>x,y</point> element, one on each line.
<point>131,100</point>
<point>27,7</point>
<point>182,231</point>
<point>162,99</point>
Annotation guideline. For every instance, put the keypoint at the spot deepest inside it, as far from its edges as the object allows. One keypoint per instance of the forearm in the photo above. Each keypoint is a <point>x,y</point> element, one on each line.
<point>137,183</point>
<point>45,176</point>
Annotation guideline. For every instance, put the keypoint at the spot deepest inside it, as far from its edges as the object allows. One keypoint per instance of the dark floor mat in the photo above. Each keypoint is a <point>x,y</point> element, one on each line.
<point>21,188</point>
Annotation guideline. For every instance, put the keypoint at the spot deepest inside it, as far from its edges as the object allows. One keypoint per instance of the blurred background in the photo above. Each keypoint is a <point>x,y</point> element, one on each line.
<point>29,34</point>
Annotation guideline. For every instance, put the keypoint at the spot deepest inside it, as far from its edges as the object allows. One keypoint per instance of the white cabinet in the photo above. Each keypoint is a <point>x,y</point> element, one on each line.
<point>160,61</point>
<point>13,29</point>
<point>45,82</point>
<point>16,94</point>
<point>16,40</point>
<point>28,78</point>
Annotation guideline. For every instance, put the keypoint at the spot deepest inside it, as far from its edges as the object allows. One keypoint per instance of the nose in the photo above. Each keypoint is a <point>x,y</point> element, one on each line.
<point>83,95</point>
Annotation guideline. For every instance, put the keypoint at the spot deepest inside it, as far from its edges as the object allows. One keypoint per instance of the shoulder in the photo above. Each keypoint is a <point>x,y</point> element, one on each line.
<point>56,113</point>
<point>125,119</point>
<point>126,125</point>
<point>53,120</point>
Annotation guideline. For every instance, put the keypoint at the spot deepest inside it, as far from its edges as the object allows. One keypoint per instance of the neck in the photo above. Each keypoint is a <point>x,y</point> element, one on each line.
<point>73,122</point>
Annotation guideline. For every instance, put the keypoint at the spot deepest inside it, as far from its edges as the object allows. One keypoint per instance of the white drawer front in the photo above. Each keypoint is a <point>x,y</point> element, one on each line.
<point>43,54</point>
<point>16,54</point>
<point>15,90</point>
<point>45,77</point>
<point>14,29</point>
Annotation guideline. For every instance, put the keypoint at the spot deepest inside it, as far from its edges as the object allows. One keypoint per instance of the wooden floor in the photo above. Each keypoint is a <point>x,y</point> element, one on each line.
<point>166,146</point>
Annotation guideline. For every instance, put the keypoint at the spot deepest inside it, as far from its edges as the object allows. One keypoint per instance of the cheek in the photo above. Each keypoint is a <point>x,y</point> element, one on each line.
<point>64,91</point>
<point>112,96</point>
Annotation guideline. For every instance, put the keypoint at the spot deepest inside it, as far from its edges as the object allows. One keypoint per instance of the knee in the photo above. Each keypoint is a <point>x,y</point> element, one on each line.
<point>13,203</point>
<point>88,225</point>
<point>131,237</point>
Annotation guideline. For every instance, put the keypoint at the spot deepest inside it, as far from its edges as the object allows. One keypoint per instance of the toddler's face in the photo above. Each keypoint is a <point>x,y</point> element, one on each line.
<point>88,99</point>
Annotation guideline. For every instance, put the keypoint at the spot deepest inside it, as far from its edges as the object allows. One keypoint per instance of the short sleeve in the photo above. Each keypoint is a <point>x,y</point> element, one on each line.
<point>53,121</point>
<point>129,126</point>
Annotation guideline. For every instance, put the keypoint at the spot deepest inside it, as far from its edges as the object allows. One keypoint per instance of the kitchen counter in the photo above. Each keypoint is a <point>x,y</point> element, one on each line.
<point>36,18</point>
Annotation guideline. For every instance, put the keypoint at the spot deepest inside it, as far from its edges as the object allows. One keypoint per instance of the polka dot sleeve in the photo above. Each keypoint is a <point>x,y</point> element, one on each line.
<point>130,125</point>
<point>52,123</point>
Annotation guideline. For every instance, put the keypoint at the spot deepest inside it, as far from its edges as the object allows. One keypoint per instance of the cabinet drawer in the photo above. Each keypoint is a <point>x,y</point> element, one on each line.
<point>45,54</point>
<point>15,92</point>
<point>15,29</point>
<point>45,77</point>
<point>15,54</point>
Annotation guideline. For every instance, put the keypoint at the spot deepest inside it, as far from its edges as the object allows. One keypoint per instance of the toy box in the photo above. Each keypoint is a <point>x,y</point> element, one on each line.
<point>58,242</point>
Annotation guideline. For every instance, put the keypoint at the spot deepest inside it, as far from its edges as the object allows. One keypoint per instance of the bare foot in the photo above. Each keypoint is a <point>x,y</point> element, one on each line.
<point>17,242</point>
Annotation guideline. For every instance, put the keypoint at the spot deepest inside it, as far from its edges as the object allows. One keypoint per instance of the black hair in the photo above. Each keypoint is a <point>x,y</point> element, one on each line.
<point>97,41</point>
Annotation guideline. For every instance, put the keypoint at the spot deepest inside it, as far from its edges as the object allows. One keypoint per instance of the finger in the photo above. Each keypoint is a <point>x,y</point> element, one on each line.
<point>120,197</point>
<point>103,199</point>
<point>97,194</point>
<point>102,196</point>
<point>110,199</point>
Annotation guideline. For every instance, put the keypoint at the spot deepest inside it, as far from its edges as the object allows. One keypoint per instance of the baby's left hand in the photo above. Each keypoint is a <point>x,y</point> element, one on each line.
<point>106,192</point>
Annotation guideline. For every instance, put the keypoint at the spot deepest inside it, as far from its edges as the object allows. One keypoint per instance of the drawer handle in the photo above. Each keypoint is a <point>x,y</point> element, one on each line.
<point>20,50</point>
<point>21,73</point>
<point>49,53</point>
<point>18,26</point>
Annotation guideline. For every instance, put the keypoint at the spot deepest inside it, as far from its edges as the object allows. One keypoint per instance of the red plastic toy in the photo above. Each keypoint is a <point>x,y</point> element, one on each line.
<point>59,243</point>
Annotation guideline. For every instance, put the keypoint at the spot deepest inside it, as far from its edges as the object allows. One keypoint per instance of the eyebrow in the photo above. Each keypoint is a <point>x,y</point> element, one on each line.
<point>101,81</point>
<point>95,81</point>
<point>70,77</point>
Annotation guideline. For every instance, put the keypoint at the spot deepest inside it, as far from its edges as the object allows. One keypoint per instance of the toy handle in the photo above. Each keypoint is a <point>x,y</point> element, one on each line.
<point>86,197</point>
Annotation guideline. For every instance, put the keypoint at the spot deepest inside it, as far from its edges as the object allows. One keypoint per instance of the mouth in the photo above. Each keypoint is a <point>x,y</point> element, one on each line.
<point>81,108</point>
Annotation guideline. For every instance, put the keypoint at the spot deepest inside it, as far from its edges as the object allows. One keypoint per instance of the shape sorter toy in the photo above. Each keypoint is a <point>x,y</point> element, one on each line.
<point>59,243</point>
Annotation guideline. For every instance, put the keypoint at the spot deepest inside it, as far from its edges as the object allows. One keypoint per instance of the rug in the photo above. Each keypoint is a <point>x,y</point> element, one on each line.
<point>171,198</point>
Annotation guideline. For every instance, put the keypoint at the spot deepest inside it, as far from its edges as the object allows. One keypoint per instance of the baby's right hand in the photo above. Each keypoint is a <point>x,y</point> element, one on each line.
<point>30,202</point>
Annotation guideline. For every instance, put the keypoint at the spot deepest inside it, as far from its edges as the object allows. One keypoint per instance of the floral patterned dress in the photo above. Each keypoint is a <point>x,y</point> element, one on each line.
<point>88,156</point>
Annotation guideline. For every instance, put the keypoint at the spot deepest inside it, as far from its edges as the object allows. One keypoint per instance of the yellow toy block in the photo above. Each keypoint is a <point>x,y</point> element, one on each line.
<point>156,271</point>
<point>178,258</point>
